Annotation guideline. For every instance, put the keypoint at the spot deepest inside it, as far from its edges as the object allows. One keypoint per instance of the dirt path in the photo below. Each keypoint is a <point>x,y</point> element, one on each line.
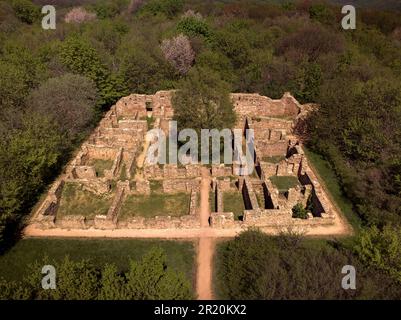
<point>206,244</point>
<point>205,266</point>
<point>204,210</point>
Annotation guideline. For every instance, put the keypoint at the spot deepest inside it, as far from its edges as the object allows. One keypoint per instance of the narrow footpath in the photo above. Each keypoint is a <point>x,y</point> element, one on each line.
<point>206,243</point>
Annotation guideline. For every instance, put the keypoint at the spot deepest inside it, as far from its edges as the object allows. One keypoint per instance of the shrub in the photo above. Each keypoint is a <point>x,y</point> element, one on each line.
<point>169,8</point>
<point>203,102</point>
<point>69,100</point>
<point>298,211</point>
<point>195,26</point>
<point>25,10</point>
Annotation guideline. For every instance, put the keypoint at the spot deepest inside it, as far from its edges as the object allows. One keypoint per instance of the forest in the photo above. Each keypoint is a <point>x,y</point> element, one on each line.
<point>56,84</point>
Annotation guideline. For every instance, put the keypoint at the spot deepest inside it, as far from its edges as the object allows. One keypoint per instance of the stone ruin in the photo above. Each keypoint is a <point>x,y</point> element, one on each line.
<point>278,153</point>
<point>112,164</point>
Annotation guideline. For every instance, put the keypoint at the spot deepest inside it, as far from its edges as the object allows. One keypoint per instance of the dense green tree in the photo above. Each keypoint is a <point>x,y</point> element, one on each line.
<point>256,266</point>
<point>147,279</point>
<point>203,102</point>
<point>381,249</point>
<point>80,57</point>
<point>69,100</point>
<point>25,10</point>
<point>150,279</point>
<point>112,284</point>
<point>169,8</point>
<point>192,26</point>
<point>28,158</point>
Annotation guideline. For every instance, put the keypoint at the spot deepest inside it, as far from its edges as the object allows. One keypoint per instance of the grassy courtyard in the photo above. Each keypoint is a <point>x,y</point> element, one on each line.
<point>100,165</point>
<point>76,201</point>
<point>234,202</point>
<point>149,206</point>
<point>273,159</point>
<point>283,183</point>
<point>13,264</point>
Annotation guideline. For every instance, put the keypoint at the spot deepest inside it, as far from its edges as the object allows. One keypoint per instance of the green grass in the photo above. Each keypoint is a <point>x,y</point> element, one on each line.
<point>233,202</point>
<point>150,121</point>
<point>273,159</point>
<point>101,165</point>
<point>155,205</point>
<point>76,201</point>
<point>156,186</point>
<point>212,201</point>
<point>261,199</point>
<point>283,183</point>
<point>123,172</point>
<point>330,181</point>
<point>13,264</point>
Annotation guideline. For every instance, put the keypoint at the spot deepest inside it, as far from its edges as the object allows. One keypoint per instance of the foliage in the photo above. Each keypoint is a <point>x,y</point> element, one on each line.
<point>148,279</point>
<point>80,57</point>
<point>256,266</point>
<point>195,26</point>
<point>169,8</point>
<point>69,101</point>
<point>381,249</point>
<point>25,10</point>
<point>299,212</point>
<point>203,102</point>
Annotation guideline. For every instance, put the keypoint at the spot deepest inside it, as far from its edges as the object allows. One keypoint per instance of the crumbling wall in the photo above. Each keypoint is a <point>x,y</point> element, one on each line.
<point>221,170</point>
<point>161,222</point>
<point>179,185</point>
<point>287,167</point>
<point>281,218</point>
<point>71,222</point>
<point>193,202</point>
<point>83,172</point>
<point>222,220</point>
<point>171,171</point>
<point>250,199</point>
<point>132,105</point>
<point>272,194</point>
<point>112,173</point>
<point>257,105</point>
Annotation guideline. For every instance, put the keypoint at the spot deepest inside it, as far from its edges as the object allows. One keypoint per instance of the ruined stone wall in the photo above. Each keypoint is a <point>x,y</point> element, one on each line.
<point>162,106</point>
<point>272,193</point>
<point>260,124</point>
<point>257,105</point>
<point>268,149</point>
<point>71,222</point>
<point>281,218</point>
<point>132,105</point>
<point>250,199</point>
<point>100,152</point>
<point>122,189</point>
<point>221,170</point>
<point>50,205</point>
<point>222,220</point>
<point>180,185</point>
<point>193,202</point>
<point>170,171</point>
<point>112,173</point>
<point>142,186</point>
<point>161,222</point>
<point>83,172</point>
<point>286,167</point>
